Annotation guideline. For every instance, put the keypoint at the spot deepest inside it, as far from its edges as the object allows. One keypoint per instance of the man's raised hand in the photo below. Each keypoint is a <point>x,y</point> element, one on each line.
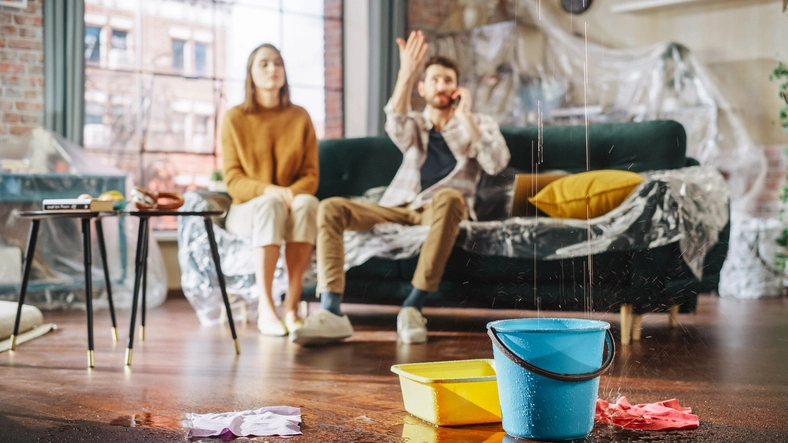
<point>411,53</point>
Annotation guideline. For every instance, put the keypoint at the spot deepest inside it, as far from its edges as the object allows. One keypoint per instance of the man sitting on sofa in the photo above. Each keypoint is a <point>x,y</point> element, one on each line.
<point>445,149</point>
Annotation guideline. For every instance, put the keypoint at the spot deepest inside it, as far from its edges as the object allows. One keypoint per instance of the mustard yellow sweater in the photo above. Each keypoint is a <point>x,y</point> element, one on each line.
<point>271,147</point>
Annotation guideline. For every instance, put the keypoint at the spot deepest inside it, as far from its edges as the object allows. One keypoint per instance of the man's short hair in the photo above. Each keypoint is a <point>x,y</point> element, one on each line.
<point>446,62</point>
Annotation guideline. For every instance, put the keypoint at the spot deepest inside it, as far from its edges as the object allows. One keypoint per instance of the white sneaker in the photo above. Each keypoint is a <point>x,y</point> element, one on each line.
<point>322,327</point>
<point>411,326</point>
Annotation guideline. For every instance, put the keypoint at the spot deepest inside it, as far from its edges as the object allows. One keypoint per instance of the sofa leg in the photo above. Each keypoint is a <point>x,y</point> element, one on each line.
<point>626,323</point>
<point>674,316</point>
<point>637,326</point>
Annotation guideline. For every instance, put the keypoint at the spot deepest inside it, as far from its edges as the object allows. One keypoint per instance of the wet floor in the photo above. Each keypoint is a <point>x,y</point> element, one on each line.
<point>146,419</point>
<point>728,362</point>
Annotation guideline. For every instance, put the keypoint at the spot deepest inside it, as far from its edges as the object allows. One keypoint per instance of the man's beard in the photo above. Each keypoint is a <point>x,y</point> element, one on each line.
<point>436,103</point>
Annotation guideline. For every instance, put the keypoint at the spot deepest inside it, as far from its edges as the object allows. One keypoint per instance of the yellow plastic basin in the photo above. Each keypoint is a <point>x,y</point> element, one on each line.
<point>450,393</point>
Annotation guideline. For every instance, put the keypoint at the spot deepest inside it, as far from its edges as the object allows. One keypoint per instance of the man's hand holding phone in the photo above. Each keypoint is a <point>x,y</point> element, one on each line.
<point>461,100</point>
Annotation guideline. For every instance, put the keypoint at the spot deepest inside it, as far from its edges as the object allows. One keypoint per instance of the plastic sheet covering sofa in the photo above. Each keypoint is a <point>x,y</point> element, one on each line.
<point>42,165</point>
<point>665,244</point>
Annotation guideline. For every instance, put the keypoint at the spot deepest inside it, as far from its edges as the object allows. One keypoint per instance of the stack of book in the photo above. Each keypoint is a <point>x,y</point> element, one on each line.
<point>77,205</point>
<point>14,165</point>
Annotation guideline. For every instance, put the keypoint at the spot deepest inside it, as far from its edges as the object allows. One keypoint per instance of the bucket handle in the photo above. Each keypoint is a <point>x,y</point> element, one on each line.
<point>611,352</point>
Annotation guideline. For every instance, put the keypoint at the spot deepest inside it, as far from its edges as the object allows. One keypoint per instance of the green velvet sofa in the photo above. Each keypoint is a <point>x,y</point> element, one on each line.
<point>634,282</point>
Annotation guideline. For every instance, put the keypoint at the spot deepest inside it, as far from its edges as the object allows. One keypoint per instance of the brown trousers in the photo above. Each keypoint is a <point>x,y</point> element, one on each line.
<point>336,215</point>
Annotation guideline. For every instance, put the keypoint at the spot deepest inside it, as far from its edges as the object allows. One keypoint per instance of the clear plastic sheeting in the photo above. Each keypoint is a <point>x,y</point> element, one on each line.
<point>530,71</point>
<point>749,271</point>
<point>43,165</point>
<point>198,272</point>
<point>689,205</point>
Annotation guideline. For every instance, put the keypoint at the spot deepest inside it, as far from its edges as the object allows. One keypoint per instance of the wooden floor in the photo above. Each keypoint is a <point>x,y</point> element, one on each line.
<point>728,362</point>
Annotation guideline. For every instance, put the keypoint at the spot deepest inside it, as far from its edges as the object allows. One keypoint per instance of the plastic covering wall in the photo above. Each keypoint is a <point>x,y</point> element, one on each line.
<point>529,72</point>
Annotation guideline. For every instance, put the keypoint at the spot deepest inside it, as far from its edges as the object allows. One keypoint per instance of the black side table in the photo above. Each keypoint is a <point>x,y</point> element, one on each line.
<point>85,217</point>
<point>141,268</point>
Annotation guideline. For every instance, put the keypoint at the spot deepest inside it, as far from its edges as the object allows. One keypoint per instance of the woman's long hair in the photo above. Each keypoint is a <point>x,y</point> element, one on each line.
<point>250,104</point>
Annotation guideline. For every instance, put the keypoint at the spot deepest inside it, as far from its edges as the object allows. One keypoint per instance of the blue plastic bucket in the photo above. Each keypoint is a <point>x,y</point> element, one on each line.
<point>548,374</point>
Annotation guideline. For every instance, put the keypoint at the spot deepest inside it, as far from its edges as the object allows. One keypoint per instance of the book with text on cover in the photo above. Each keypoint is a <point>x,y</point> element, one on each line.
<point>77,204</point>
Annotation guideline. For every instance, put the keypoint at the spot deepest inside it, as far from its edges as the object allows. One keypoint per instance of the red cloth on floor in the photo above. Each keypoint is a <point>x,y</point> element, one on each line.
<point>662,416</point>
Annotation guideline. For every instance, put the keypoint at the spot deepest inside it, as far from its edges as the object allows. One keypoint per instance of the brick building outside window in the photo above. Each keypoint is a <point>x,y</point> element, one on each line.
<point>161,73</point>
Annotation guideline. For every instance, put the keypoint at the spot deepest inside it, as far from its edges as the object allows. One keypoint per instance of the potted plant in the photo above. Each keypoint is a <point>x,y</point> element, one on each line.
<point>780,74</point>
<point>216,182</point>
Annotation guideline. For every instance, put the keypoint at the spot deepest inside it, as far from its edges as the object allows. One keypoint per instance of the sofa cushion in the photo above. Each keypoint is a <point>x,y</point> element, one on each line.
<point>637,147</point>
<point>348,167</point>
<point>587,194</point>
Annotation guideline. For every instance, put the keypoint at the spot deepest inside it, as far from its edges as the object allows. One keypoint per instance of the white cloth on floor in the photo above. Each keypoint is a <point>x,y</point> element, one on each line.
<point>272,420</point>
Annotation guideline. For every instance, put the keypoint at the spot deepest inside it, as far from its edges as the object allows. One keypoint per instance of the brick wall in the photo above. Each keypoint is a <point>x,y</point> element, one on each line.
<point>769,200</point>
<point>429,15</point>
<point>21,68</point>
<point>333,67</point>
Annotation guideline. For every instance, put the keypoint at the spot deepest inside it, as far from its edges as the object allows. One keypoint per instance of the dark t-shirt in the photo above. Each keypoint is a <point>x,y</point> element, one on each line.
<point>439,163</point>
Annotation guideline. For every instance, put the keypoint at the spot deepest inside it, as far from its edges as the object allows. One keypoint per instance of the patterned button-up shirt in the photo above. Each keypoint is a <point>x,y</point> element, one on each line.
<point>410,132</point>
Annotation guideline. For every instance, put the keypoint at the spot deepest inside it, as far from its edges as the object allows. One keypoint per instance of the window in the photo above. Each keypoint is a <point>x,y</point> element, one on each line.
<point>92,44</point>
<point>177,54</point>
<point>119,39</point>
<point>172,68</point>
<point>201,123</point>
<point>94,113</point>
<point>199,59</point>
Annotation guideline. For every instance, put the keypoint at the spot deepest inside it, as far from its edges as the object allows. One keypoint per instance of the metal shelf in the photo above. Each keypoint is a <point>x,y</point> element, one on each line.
<point>29,187</point>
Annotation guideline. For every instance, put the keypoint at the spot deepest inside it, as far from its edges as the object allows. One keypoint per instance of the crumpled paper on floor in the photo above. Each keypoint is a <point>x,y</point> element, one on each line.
<point>661,416</point>
<point>272,420</point>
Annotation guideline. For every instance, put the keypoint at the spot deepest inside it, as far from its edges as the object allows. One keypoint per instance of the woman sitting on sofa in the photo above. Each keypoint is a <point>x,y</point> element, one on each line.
<point>269,150</point>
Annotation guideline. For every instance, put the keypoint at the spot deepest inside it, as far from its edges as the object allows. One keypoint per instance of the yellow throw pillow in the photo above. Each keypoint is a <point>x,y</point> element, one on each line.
<point>587,194</point>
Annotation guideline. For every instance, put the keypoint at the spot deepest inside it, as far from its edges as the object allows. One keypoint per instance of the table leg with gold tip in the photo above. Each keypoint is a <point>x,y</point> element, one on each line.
<point>135,294</point>
<point>220,277</point>
<point>144,284</point>
<point>103,252</point>
<point>87,252</point>
<point>31,249</point>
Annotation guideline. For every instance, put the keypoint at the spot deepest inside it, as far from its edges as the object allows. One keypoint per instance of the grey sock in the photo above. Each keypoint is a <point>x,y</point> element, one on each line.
<point>416,299</point>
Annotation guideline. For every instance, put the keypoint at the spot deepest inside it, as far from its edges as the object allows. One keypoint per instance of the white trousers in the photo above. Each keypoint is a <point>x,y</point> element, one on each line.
<point>267,221</point>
